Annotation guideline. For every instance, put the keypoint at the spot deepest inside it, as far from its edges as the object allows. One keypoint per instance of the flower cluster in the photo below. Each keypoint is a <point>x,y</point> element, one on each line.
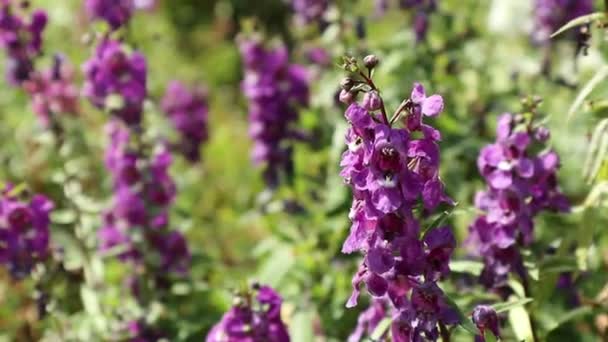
<point>550,15</point>
<point>21,39</point>
<point>143,194</point>
<point>275,88</point>
<point>24,231</point>
<point>115,12</point>
<point>188,110</point>
<point>521,184</point>
<point>53,91</point>
<point>309,11</point>
<point>256,317</point>
<point>394,176</point>
<point>116,81</point>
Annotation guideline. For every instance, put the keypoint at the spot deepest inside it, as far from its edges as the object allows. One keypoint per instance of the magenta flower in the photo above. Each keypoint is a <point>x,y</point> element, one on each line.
<point>116,81</point>
<point>254,319</point>
<point>24,232</point>
<point>21,39</point>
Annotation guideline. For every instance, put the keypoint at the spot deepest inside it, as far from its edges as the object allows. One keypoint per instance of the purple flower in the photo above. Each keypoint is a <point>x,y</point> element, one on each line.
<point>256,318</point>
<point>520,186</point>
<point>309,11</point>
<point>143,194</point>
<point>275,90</point>
<point>485,318</point>
<point>22,41</point>
<point>24,232</point>
<point>188,110</point>
<point>422,9</point>
<point>116,81</point>
<point>550,15</point>
<point>391,171</point>
<point>369,320</point>
<point>53,91</point>
<point>115,12</point>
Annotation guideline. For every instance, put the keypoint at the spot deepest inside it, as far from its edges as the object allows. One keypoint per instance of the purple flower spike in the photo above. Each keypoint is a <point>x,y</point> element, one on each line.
<point>22,41</point>
<point>116,81</point>
<point>391,172</point>
<point>520,186</point>
<point>275,90</point>
<point>24,232</point>
<point>188,111</point>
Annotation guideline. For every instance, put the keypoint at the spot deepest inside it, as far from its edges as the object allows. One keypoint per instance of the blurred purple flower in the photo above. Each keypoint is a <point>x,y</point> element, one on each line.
<point>188,110</point>
<point>520,186</point>
<point>21,39</point>
<point>24,231</point>
<point>116,81</point>
<point>275,89</point>
<point>257,319</point>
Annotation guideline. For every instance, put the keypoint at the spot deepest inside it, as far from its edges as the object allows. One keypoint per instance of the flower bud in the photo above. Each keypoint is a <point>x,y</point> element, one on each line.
<point>485,318</point>
<point>542,134</point>
<point>346,97</point>
<point>370,61</point>
<point>372,101</point>
<point>347,83</point>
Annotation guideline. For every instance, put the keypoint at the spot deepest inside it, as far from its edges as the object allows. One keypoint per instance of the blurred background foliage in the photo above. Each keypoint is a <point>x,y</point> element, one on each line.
<point>478,55</point>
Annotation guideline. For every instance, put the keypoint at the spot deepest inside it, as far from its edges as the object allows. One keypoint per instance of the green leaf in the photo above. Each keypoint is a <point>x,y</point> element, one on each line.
<point>520,323</point>
<point>381,329</point>
<point>90,300</point>
<point>587,89</point>
<point>582,20</point>
<point>301,328</point>
<point>597,150</point>
<point>570,316</point>
<point>466,266</point>
<point>276,266</point>
<point>438,221</point>
<point>502,307</point>
<point>465,322</point>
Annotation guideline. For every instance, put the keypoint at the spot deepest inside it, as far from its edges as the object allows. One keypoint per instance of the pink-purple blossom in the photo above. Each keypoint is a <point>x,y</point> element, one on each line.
<point>521,184</point>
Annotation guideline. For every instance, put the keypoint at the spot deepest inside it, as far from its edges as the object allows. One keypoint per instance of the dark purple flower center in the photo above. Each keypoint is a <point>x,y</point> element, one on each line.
<point>20,217</point>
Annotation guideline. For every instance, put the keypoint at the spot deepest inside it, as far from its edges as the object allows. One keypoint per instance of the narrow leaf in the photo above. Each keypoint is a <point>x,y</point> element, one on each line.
<point>466,266</point>
<point>570,316</point>
<point>582,20</point>
<point>502,307</point>
<point>465,322</point>
<point>381,329</point>
<point>594,145</point>
<point>520,322</point>
<point>587,89</point>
